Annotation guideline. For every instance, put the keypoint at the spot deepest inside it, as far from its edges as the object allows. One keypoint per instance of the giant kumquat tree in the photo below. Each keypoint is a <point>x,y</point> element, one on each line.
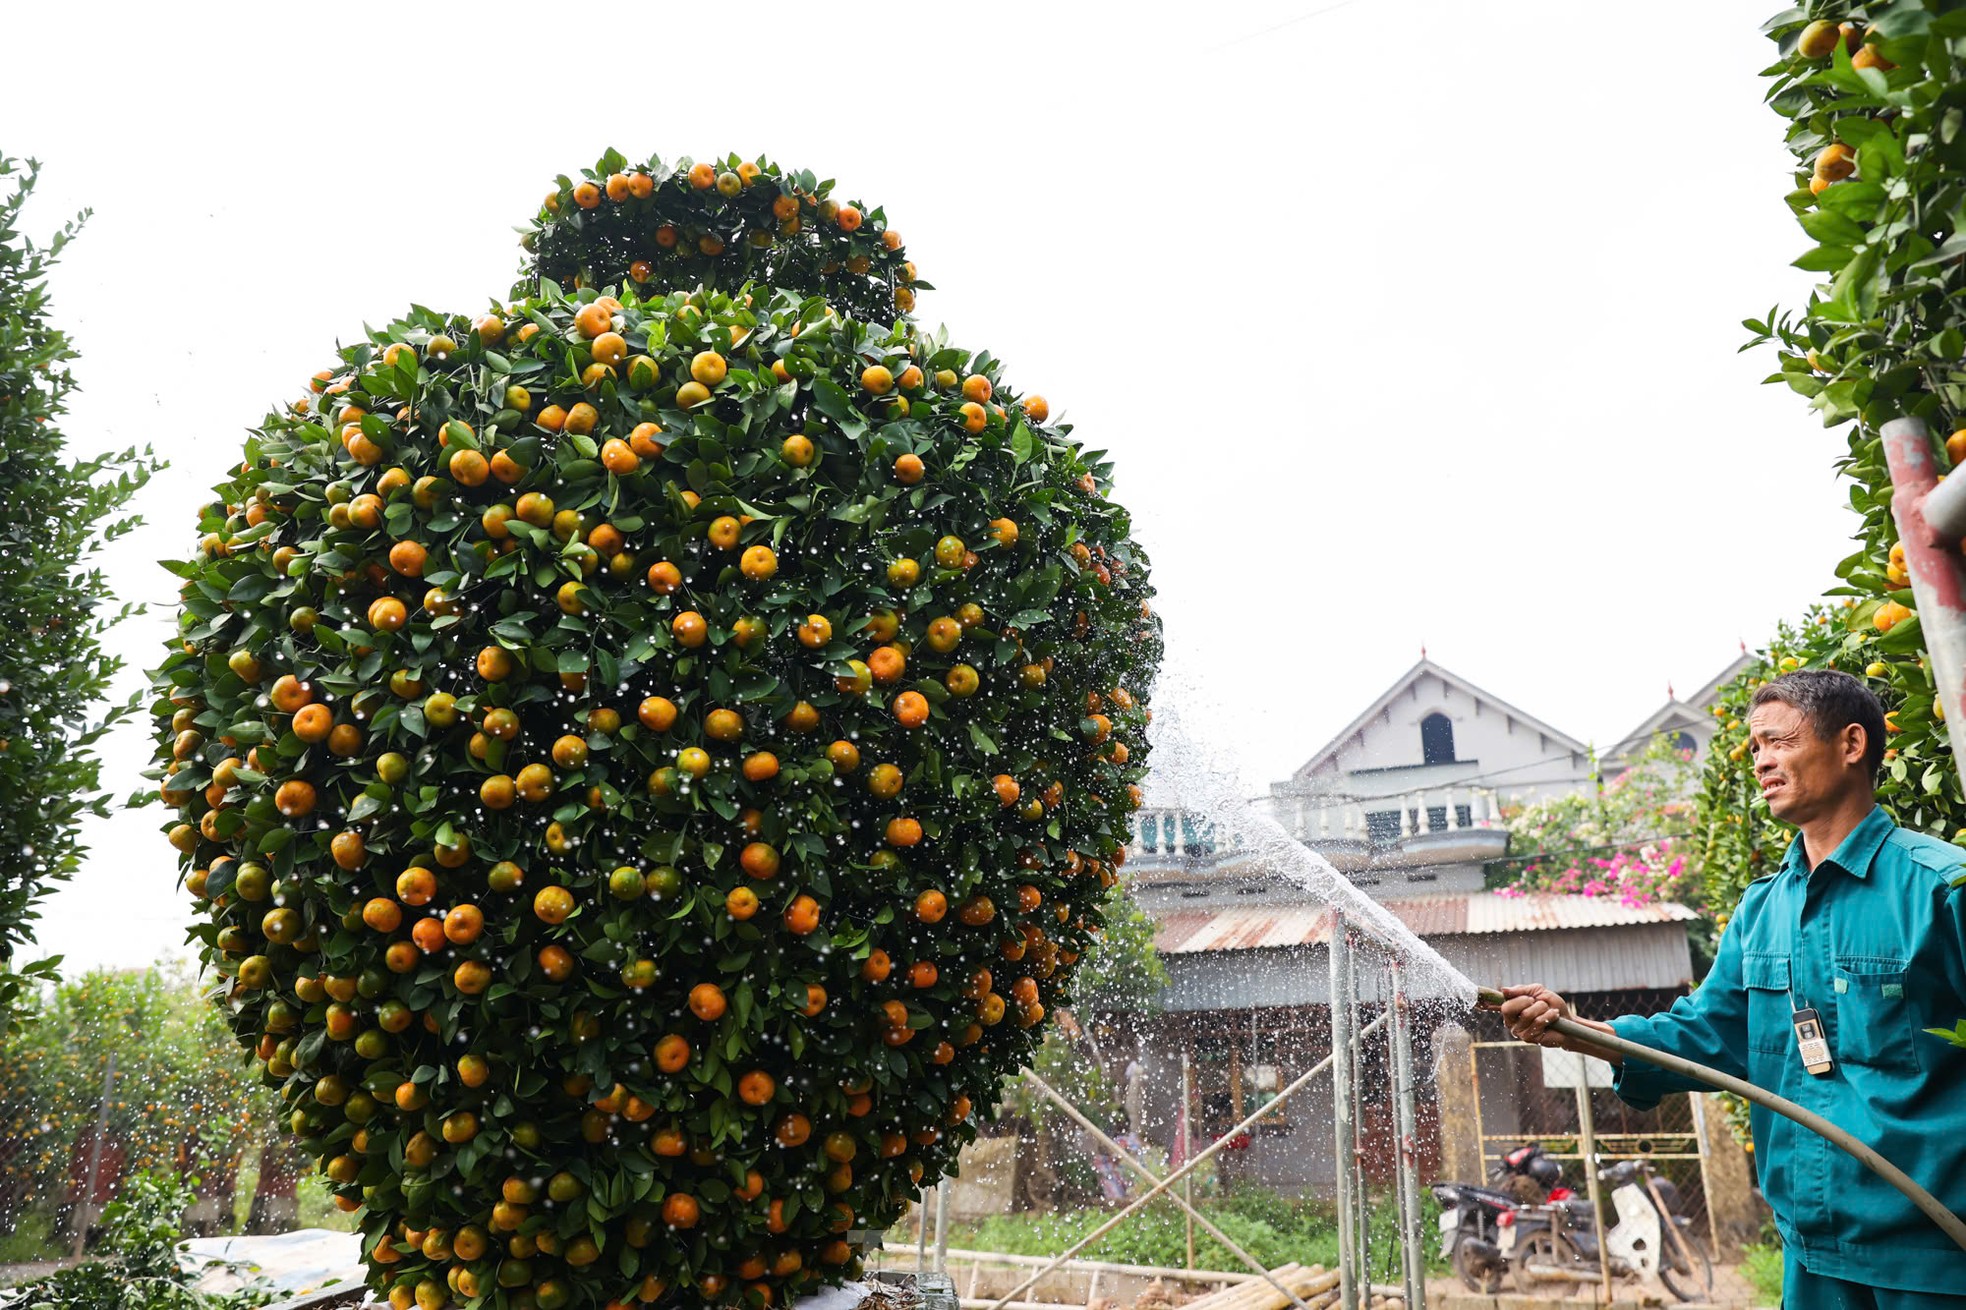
<point>649,756</point>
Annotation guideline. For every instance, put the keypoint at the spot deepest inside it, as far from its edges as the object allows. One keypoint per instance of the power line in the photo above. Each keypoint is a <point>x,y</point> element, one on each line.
<point>1278,27</point>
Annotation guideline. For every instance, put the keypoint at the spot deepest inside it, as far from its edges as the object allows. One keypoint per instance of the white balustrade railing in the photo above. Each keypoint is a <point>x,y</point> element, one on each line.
<point>1168,835</point>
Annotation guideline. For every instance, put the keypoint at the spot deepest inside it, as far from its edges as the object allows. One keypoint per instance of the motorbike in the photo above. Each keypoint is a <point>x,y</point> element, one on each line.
<point>1529,1162</point>
<point>1473,1217</point>
<point>1553,1247</point>
<point>1471,1222</point>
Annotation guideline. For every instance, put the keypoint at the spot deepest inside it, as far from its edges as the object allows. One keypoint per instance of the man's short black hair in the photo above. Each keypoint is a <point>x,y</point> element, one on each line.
<point>1831,701</point>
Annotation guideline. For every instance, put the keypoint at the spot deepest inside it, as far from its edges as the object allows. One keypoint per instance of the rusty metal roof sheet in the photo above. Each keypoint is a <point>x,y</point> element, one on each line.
<point>1248,927</point>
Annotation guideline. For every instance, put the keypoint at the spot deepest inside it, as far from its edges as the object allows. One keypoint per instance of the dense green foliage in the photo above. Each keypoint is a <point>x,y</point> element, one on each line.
<point>53,671</point>
<point>1874,122</point>
<point>1275,1229</point>
<point>650,757</point>
<point>1122,974</point>
<point>1623,838</point>
<point>180,1102</point>
<point>1761,1267</point>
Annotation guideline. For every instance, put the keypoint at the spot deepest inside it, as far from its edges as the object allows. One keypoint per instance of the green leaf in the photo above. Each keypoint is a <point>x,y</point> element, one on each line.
<point>1853,199</point>
<point>1825,259</point>
<point>1021,443</point>
<point>1832,228</point>
<point>252,587</point>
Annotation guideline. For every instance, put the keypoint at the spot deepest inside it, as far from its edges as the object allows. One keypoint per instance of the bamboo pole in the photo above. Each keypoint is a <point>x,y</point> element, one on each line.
<point>1251,1294</point>
<point>1106,1266</point>
<point>1587,1128</point>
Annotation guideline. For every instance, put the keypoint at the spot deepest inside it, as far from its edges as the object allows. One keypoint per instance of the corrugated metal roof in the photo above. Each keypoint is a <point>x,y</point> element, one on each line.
<point>1651,956</point>
<point>1491,912</point>
<point>1248,927</point>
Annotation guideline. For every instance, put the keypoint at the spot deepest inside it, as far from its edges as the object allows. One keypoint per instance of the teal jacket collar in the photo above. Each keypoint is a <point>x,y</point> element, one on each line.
<point>1856,851</point>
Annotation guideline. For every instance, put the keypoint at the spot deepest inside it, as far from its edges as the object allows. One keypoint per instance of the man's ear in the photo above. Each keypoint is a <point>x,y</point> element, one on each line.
<point>1855,743</point>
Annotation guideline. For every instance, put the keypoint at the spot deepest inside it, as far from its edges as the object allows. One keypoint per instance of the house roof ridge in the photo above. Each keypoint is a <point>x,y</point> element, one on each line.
<point>1421,669</point>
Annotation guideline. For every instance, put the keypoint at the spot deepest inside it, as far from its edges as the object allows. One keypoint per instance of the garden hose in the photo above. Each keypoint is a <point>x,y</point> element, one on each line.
<point>1954,1227</point>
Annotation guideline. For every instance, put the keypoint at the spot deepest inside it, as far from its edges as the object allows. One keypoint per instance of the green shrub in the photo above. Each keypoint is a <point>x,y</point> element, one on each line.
<point>1761,1266</point>
<point>139,1269</point>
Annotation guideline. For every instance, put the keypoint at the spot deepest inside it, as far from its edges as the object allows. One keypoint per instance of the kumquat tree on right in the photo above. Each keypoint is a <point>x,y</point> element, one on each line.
<point>1874,97</point>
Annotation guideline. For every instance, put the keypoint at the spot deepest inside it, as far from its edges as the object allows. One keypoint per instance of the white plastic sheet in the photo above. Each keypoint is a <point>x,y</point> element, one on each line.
<point>304,1260</point>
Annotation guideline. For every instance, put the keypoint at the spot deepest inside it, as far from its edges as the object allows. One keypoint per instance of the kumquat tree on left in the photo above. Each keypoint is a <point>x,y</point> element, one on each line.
<point>53,671</point>
<point>650,756</point>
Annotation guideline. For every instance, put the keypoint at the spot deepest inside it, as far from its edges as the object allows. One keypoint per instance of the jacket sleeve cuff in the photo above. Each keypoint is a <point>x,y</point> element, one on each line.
<point>1639,1083</point>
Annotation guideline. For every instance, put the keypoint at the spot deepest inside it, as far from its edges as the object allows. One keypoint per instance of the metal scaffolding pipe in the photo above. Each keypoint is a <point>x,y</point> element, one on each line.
<point>1206,1153</point>
<point>1344,1150</point>
<point>921,1230</point>
<point>942,1225</point>
<point>1361,1198</point>
<point>1413,1264</point>
<point>1951,1224</point>
<point>1931,519</point>
<point>1125,1157</point>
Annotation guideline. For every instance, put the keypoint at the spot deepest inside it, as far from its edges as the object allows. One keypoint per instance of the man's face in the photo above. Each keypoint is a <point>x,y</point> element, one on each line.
<point>1801,774</point>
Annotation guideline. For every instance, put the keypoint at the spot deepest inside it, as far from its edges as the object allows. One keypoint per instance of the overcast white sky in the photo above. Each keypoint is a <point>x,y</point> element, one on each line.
<point>1404,325</point>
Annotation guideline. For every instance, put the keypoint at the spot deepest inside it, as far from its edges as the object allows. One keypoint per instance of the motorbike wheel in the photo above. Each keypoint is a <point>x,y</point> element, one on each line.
<point>1695,1284</point>
<point>1476,1275</point>
<point>1541,1248</point>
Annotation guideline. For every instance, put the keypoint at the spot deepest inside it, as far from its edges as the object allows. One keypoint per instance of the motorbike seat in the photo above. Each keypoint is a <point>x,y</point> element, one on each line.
<point>1487,1195</point>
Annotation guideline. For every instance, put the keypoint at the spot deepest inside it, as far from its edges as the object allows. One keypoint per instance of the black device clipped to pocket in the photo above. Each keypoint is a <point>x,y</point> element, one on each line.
<point>1810,1043</point>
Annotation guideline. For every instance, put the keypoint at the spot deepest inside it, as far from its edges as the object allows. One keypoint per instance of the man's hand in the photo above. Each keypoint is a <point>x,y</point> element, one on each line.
<point>1530,1009</point>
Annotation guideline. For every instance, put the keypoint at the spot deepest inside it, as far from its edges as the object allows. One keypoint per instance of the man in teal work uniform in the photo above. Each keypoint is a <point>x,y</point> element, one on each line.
<point>1864,923</point>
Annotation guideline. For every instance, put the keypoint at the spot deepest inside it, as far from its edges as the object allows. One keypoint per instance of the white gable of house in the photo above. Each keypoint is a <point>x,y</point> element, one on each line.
<point>1486,729</point>
<point>1672,717</point>
<point>1692,716</point>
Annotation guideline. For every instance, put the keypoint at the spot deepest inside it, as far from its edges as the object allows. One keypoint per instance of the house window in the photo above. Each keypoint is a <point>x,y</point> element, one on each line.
<point>1463,817</point>
<point>1216,1070</point>
<point>1150,833</point>
<point>1236,1072</point>
<point>1436,739</point>
<point>1383,827</point>
<point>1260,1084</point>
<point>1436,818</point>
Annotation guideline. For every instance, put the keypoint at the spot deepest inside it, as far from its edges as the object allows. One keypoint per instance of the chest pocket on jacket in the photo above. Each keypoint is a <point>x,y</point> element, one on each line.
<point>1873,1015</point>
<point>1766,978</point>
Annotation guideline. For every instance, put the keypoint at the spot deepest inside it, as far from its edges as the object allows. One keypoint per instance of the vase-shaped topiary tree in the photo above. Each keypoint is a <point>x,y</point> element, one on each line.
<point>650,756</point>
<point>53,673</point>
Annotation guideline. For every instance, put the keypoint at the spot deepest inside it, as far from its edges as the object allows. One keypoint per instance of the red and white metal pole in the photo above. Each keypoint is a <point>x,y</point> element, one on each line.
<point>1931,518</point>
